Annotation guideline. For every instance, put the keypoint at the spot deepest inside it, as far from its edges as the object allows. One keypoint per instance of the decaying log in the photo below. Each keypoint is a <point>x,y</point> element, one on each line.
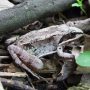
<point>16,84</point>
<point>29,11</point>
<point>16,74</point>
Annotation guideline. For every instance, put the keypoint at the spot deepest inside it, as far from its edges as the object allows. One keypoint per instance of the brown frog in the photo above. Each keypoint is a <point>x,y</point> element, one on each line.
<point>29,49</point>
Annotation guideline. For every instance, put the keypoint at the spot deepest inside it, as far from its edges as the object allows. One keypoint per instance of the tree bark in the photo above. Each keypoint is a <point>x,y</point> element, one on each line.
<point>29,11</point>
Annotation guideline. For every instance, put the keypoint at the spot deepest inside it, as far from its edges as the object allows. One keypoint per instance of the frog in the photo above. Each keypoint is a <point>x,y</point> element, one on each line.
<point>29,50</point>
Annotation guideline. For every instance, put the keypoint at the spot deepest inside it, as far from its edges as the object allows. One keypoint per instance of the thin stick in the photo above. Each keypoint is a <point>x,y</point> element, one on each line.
<point>16,74</point>
<point>4,57</point>
<point>30,82</point>
<point>4,65</point>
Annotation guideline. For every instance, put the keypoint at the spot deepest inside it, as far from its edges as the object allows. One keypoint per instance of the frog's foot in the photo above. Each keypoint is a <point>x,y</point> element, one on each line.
<point>67,69</point>
<point>24,60</point>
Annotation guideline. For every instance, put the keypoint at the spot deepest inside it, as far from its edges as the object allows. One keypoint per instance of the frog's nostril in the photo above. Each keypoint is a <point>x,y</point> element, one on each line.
<point>59,48</point>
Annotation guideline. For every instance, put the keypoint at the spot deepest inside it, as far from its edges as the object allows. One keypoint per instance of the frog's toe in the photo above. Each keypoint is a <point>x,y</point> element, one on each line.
<point>62,77</point>
<point>38,64</point>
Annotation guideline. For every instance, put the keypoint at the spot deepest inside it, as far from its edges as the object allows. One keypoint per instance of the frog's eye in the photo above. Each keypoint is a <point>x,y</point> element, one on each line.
<point>73,33</point>
<point>59,48</point>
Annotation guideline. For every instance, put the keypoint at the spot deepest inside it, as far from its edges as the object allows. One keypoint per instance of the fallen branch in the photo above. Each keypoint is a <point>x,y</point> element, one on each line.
<point>29,11</point>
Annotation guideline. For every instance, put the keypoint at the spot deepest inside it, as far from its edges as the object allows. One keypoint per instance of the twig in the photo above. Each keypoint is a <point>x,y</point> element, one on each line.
<point>17,74</point>
<point>41,80</point>
<point>4,65</point>
<point>30,82</point>
<point>4,57</point>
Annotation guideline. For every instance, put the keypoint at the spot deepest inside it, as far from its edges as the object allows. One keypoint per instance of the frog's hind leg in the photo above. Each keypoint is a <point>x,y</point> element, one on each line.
<point>17,60</point>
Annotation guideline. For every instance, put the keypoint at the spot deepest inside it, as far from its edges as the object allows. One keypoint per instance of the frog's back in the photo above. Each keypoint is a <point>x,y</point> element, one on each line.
<point>44,33</point>
<point>44,41</point>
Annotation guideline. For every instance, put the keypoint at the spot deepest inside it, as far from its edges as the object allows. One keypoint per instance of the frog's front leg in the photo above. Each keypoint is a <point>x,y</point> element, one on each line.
<point>69,65</point>
<point>24,59</point>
